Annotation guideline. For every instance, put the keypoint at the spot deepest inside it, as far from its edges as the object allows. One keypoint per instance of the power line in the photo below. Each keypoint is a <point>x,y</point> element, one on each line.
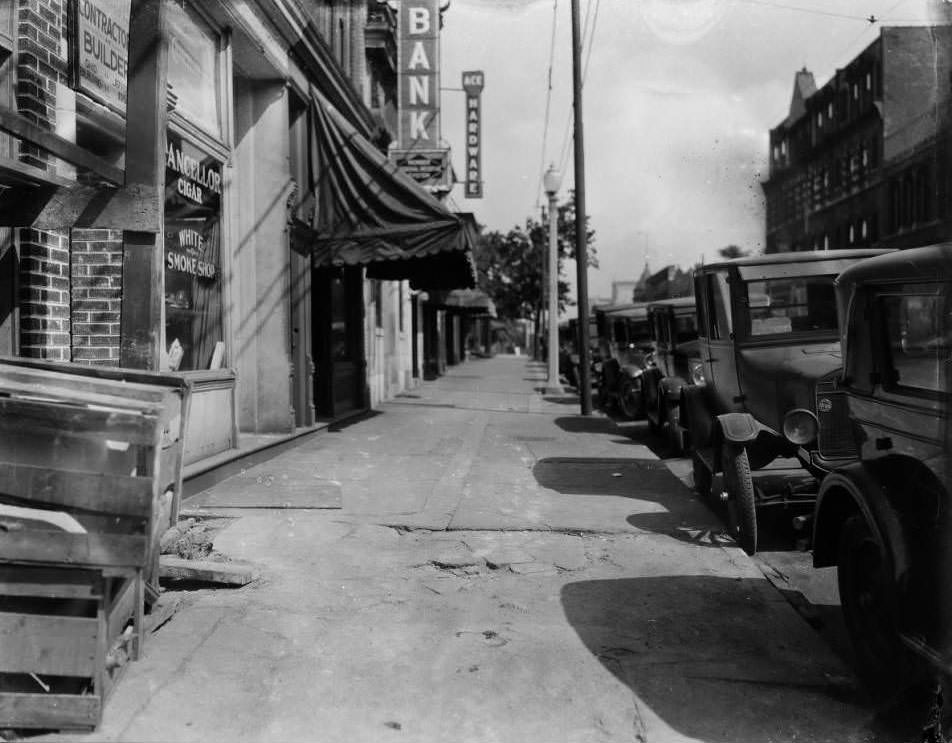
<point>587,46</point>
<point>810,11</point>
<point>548,100</point>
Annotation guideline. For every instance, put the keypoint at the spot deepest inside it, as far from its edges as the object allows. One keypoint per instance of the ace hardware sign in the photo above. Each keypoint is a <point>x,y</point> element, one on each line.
<point>473,86</point>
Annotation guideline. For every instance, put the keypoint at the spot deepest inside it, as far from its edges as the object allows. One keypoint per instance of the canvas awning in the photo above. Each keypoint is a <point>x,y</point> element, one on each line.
<point>365,212</point>
<point>468,301</point>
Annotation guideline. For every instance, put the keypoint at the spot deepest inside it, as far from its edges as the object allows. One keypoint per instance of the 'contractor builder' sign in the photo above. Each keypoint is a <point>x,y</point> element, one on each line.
<point>473,85</point>
<point>419,78</point>
<point>100,47</point>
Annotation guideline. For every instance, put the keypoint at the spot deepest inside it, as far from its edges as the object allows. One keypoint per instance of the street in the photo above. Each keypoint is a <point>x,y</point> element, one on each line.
<point>481,563</point>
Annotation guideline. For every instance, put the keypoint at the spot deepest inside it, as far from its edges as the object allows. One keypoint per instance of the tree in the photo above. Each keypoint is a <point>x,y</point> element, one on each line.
<point>509,266</point>
<point>733,251</point>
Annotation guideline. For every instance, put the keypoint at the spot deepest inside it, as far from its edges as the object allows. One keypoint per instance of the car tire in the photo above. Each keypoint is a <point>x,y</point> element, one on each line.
<point>628,399</point>
<point>741,497</point>
<point>702,477</point>
<point>868,597</point>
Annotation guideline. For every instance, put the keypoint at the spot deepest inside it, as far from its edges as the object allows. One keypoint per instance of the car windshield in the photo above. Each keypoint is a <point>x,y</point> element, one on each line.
<point>797,304</point>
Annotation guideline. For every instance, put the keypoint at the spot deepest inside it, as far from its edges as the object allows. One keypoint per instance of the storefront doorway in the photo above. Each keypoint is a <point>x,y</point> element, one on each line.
<point>338,326</point>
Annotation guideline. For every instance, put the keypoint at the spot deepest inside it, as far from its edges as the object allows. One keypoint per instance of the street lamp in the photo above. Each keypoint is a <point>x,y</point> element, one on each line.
<point>551,182</point>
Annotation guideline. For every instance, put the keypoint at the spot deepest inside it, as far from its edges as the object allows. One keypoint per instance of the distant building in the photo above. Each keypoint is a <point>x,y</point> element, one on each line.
<point>863,160</point>
<point>622,291</point>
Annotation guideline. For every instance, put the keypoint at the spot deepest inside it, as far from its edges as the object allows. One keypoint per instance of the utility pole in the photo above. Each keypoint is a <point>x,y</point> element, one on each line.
<point>581,231</point>
<point>551,180</point>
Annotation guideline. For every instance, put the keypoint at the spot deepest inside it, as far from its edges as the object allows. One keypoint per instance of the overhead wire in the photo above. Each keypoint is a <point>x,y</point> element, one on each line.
<point>587,48</point>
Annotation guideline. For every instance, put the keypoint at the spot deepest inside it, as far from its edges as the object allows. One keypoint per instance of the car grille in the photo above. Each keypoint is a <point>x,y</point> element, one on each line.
<point>836,431</point>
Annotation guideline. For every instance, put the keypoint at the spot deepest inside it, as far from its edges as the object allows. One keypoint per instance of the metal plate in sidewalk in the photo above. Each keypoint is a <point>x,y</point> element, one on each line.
<point>633,478</point>
<point>270,488</point>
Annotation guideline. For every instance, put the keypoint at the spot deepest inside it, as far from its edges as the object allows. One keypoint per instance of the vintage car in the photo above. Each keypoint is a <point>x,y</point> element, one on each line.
<point>624,339</point>
<point>768,332</point>
<point>673,363</point>
<point>882,515</point>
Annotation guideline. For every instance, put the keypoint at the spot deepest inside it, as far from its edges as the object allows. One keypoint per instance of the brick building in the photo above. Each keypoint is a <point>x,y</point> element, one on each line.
<point>203,188</point>
<point>863,161</point>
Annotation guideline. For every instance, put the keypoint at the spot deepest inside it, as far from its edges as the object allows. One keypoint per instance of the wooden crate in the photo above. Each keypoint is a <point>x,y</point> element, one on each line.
<point>90,477</point>
<point>64,637</point>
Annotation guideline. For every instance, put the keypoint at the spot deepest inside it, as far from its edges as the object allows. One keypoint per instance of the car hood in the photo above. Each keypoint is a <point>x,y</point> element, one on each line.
<point>777,379</point>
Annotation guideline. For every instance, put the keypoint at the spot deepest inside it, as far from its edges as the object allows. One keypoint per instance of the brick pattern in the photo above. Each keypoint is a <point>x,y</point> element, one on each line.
<point>44,256</point>
<point>96,274</point>
<point>44,295</point>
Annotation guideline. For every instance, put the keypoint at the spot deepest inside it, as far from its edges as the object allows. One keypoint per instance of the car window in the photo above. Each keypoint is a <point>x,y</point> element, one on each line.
<point>686,328</point>
<point>800,304</point>
<point>718,305</point>
<point>918,340</point>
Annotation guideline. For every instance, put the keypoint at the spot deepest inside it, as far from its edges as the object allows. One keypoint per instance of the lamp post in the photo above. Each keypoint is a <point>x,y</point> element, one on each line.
<point>551,182</point>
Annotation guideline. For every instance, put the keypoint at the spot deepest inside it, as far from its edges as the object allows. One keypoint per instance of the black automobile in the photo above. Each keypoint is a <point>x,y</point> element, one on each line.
<point>882,514</point>
<point>624,340</point>
<point>768,333</point>
<point>674,362</point>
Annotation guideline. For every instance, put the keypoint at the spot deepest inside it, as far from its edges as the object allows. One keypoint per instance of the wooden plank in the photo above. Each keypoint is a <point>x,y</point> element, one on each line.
<point>60,548</point>
<point>226,573</point>
<point>87,491</point>
<point>49,711</point>
<point>146,125</point>
<point>48,645</point>
<point>127,376</point>
<point>122,609</point>
<point>18,415</point>
<point>45,582</point>
<point>66,389</point>
<point>22,128</point>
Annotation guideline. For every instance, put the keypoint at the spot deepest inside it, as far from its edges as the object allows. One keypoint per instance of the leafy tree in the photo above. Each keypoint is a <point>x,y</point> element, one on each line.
<point>509,266</point>
<point>733,251</point>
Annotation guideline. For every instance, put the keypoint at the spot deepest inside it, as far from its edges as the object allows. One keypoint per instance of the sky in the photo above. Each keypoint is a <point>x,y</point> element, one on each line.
<point>678,101</point>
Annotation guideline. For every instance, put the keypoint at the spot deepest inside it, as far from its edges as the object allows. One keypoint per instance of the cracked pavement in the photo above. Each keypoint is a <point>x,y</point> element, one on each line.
<point>500,569</point>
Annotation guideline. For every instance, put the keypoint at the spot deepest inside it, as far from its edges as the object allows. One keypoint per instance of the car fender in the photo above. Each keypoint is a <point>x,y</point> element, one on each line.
<point>632,371</point>
<point>739,428</point>
<point>696,415</point>
<point>670,388</point>
<point>844,492</point>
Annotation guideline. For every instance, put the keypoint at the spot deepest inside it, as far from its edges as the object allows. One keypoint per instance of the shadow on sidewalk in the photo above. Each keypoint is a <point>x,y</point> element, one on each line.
<point>586,424</point>
<point>704,655</point>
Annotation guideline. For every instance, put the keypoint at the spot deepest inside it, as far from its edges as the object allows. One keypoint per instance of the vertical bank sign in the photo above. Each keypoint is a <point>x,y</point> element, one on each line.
<point>419,78</point>
<point>100,42</point>
<point>473,85</point>
<point>418,152</point>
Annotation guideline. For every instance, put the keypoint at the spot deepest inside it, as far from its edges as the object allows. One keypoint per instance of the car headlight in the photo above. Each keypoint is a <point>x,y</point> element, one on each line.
<point>697,373</point>
<point>597,366</point>
<point>800,427</point>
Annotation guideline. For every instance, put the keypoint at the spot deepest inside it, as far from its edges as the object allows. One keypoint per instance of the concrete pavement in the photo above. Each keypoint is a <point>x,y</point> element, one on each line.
<point>500,569</point>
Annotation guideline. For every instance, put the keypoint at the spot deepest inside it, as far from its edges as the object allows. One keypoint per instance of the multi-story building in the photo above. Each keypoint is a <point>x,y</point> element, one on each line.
<point>863,161</point>
<point>203,188</point>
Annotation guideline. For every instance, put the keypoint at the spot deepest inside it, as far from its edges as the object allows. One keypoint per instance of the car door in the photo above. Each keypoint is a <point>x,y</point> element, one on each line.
<point>717,341</point>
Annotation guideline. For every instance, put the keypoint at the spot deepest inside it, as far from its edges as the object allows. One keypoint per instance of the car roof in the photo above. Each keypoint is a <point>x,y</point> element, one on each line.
<point>675,302</point>
<point>636,309</point>
<point>931,262</point>
<point>795,257</point>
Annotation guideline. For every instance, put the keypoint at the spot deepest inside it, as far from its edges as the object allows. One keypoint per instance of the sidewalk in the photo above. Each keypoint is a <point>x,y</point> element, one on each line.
<point>477,562</point>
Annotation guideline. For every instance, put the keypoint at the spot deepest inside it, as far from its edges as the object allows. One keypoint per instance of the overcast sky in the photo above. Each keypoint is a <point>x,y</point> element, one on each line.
<point>679,97</point>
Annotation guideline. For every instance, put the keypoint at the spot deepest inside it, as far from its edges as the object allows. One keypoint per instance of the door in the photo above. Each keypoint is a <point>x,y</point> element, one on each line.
<point>338,308</point>
<point>717,343</point>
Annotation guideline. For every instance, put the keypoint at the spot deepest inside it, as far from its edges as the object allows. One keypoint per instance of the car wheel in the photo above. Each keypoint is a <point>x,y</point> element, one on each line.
<point>702,477</point>
<point>628,399</point>
<point>671,422</point>
<point>868,596</point>
<point>741,498</point>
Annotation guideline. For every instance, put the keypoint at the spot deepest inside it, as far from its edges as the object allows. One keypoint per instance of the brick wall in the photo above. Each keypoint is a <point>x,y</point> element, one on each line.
<point>96,274</point>
<point>44,256</point>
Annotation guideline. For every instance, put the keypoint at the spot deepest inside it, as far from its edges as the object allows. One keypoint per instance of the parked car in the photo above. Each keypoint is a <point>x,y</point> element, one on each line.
<point>674,362</point>
<point>768,333</point>
<point>884,430</point>
<point>624,339</point>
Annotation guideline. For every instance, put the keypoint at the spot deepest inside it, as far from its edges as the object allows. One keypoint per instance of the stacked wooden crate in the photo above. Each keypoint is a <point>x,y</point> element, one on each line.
<point>90,476</point>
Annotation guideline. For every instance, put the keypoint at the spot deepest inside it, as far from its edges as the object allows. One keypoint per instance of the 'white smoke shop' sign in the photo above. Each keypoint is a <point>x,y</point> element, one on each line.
<point>100,42</point>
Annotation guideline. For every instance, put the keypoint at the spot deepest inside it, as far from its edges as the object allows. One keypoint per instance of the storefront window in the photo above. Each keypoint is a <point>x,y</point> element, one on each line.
<point>193,68</point>
<point>193,329</point>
